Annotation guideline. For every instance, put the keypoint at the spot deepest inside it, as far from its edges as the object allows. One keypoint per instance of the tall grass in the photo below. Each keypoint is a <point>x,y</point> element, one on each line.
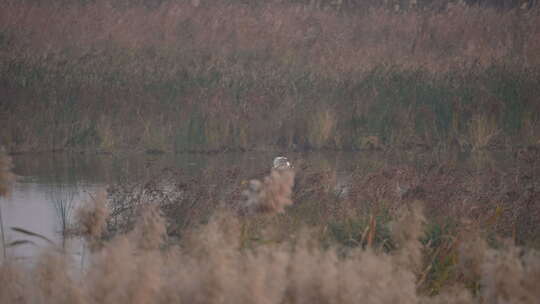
<point>482,130</point>
<point>393,248</point>
<point>226,75</point>
<point>6,175</point>
<point>6,182</point>
<point>211,264</point>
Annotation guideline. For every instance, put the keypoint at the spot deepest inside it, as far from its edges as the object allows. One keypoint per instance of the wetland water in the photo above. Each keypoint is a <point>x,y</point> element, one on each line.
<point>51,186</point>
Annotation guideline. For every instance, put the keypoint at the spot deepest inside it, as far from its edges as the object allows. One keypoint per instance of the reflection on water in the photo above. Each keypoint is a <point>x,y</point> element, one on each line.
<point>34,208</point>
<point>62,198</point>
<point>51,186</point>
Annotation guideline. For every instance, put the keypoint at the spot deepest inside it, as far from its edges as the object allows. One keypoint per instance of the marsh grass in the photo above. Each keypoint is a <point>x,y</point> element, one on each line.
<point>211,264</point>
<point>106,140</point>
<point>321,129</point>
<point>7,178</point>
<point>222,76</point>
<point>387,252</point>
<point>482,131</point>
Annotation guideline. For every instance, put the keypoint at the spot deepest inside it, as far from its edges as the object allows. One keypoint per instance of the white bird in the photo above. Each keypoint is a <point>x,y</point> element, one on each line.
<point>281,163</point>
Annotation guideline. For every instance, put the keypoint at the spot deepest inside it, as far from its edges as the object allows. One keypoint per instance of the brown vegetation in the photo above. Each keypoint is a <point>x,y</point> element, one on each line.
<point>498,193</point>
<point>6,175</point>
<point>271,195</point>
<point>377,244</point>
<point>211,265</point>
<point>91,218</point>
<point>224,75</point>
<point>6,182</point>
<point>192,76</point>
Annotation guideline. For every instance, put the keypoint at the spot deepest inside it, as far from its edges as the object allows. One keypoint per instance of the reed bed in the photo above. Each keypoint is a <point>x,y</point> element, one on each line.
<point>224,75</point>
<point>215,263</point>
<point>7,178</point>
<point>180,238</point>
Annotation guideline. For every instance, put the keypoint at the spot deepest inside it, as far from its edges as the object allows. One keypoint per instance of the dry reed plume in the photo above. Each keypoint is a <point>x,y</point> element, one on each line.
<point>271,195</point>
<point>230,259</point>
<point>92,216</point>
<point>210,267</point>
<point>407,230</point>
<point>151,230</point>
